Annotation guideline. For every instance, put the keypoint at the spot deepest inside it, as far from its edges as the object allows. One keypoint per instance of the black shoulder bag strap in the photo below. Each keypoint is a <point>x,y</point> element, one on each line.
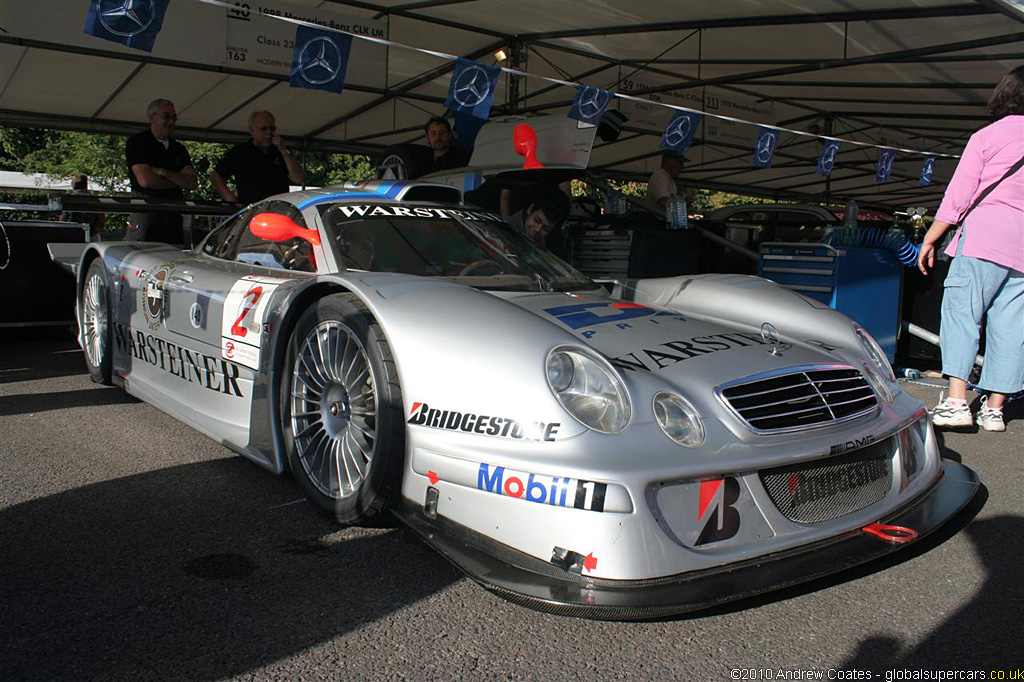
<point>981,197</point>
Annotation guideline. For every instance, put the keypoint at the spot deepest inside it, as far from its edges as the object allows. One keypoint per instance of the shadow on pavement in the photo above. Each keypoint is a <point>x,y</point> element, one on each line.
<point>198,571</point>
<point>995,611</point>
<point>32,354</point>
<point>30,403</point>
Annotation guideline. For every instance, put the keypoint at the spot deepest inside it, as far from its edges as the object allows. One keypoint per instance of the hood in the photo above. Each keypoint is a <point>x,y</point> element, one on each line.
<point>679,347</point>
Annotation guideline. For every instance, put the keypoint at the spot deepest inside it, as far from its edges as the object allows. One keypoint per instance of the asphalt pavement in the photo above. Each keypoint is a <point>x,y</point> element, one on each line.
<point>134,548</point>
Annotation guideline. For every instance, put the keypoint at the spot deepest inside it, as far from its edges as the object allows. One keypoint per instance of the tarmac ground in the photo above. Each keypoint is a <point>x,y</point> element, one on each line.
<point>132,547</point>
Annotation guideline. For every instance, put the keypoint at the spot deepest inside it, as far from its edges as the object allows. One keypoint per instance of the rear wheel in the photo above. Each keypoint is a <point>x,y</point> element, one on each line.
<point>342,410</point>
<point>95,322</point>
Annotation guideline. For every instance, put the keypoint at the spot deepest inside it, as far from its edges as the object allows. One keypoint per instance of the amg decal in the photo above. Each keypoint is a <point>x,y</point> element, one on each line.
<point>502,427</point>
<point>716,511</point>
<point>670,353</point>
<point>558,491</point>
<point>211,373</point>
<point>854,444</point>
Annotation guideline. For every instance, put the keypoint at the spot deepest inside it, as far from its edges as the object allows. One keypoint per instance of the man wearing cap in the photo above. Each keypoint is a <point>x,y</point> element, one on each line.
<point>661,186</point>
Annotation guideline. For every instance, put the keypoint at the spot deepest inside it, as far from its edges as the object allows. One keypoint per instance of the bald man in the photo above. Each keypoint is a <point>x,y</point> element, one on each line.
<point>261,167</point>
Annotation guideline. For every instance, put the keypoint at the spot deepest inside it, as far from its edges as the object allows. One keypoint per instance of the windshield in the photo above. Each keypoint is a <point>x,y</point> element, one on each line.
<point>474,248</point>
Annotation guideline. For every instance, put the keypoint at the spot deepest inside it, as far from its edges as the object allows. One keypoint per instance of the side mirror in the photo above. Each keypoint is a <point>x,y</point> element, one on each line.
<point>275,227</point>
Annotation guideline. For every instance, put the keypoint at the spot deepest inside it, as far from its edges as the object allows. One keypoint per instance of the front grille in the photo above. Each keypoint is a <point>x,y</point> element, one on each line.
<point>825,489</point>
<point>804,399</point>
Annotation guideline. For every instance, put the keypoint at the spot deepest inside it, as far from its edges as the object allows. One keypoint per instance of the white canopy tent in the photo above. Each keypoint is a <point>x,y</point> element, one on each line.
<point>912,74</point>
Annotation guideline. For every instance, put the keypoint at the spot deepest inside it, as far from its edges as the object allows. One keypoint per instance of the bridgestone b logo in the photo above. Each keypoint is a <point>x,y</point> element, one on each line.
<point>485,425</point>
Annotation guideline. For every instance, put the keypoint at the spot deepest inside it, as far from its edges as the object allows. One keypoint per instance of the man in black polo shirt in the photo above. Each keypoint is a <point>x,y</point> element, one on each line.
<point>159,167</point>
<point>262,167</point>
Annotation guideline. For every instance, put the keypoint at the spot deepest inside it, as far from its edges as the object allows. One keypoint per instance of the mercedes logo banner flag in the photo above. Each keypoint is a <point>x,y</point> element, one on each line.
<point>320,59</point>
<point>133,23</point>
<point>764,147</point>
<point>828,158</point>
<point>472,87</point>
<point>589,104</point>
<point>681,130</point>
<point>927,166</point>
<point>885,161</point>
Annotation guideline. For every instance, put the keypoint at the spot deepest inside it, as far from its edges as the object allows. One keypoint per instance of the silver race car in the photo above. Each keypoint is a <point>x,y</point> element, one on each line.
<point>678,443</point>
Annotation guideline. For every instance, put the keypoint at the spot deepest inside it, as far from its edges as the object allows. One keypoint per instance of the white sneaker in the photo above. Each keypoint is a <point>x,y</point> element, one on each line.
<point>947,413</point>
<point>990,418</point>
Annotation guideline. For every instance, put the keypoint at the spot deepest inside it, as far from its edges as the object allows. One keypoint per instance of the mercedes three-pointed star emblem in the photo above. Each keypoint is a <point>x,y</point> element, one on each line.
<point>319,61</point>
<point>592,101</point>
<point>770,335</point>
<point>677,131</point>
<point>471,87</point>
<point>126,17</point>
<point>766,147</point>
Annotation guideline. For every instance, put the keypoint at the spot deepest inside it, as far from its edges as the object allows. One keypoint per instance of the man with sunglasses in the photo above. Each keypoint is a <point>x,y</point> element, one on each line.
<point>262,166</point>
<point>159,167</point>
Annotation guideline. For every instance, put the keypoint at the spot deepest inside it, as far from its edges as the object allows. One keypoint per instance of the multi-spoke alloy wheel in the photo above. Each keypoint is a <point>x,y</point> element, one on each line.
<point>341,409</point>
<point>334,409</point>
<point>94,316</point>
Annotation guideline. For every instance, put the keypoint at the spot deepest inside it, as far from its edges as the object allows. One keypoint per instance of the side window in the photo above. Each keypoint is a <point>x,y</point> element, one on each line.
<point>294,254</point>
<point>221,242</point>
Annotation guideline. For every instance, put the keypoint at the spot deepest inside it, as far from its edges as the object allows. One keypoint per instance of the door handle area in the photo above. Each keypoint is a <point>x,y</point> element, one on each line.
<point>183,277</point>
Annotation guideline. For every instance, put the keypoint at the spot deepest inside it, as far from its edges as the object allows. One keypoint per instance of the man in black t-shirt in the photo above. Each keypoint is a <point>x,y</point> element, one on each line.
<point>159,167</point>
<point>262,167</point>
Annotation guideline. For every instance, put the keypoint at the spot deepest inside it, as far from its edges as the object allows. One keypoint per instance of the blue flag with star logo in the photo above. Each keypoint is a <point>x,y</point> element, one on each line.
<point>828,158</point>
<point>320,59</point>
<point>589,104</point>
<point>471,89</point>
<point>681,130</point>
<point>927,166</point>
<point>133,23</point>
<point>764,147</point>
<point>886,157</point>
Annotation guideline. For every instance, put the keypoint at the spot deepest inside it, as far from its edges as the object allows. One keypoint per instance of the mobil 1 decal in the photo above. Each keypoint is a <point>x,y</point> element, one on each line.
<point>245,312</point>
<point>556,491</point>
<point>710,513</point>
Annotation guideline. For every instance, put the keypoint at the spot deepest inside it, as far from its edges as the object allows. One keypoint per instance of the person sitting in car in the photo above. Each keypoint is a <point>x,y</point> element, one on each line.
<point>541,216</point>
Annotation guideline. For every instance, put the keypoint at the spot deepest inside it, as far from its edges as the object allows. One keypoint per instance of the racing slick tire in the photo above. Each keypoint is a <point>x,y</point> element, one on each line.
<point>342,410</point>
<point>94,321</point>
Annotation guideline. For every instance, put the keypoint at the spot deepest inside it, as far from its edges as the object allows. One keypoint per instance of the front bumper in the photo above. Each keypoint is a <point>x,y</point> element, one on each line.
<point>530,582</point>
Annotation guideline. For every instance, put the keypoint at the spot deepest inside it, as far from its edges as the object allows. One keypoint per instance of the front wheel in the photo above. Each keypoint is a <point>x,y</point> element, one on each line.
<point>94,321</point>
<point>342,410</point>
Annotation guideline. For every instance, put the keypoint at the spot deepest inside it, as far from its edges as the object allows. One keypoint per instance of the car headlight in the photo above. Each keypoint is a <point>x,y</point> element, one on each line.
<point>679,420</point>
<point>874,352</point>
<point>589,389</point>
<point>878,381</point>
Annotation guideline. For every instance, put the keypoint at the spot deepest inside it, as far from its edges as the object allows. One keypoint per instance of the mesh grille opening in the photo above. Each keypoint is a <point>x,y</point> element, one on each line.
<point>802,399</point>
<point>811,492</point>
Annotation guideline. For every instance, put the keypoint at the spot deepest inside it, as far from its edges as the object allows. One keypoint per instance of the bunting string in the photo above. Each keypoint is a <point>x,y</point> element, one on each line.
<point>884,150</point>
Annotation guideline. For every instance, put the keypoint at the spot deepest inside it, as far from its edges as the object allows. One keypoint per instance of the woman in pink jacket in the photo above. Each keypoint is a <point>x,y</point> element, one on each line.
<point>985,277</point>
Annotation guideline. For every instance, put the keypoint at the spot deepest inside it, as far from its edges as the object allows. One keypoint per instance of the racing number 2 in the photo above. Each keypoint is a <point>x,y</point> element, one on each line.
<point>248,303</point>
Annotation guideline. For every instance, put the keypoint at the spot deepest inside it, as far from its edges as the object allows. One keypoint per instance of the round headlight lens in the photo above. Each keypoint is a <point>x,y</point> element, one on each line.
<point>878,381</point>
<point>679,420</point>
<point>875,352</point>
<point>589,389</point>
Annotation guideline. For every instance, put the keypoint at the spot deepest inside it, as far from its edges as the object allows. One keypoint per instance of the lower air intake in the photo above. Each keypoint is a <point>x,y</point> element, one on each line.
<point>811,492</point>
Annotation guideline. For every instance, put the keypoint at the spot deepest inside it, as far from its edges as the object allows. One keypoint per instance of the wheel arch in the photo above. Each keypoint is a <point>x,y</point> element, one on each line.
<point>293,307</point>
